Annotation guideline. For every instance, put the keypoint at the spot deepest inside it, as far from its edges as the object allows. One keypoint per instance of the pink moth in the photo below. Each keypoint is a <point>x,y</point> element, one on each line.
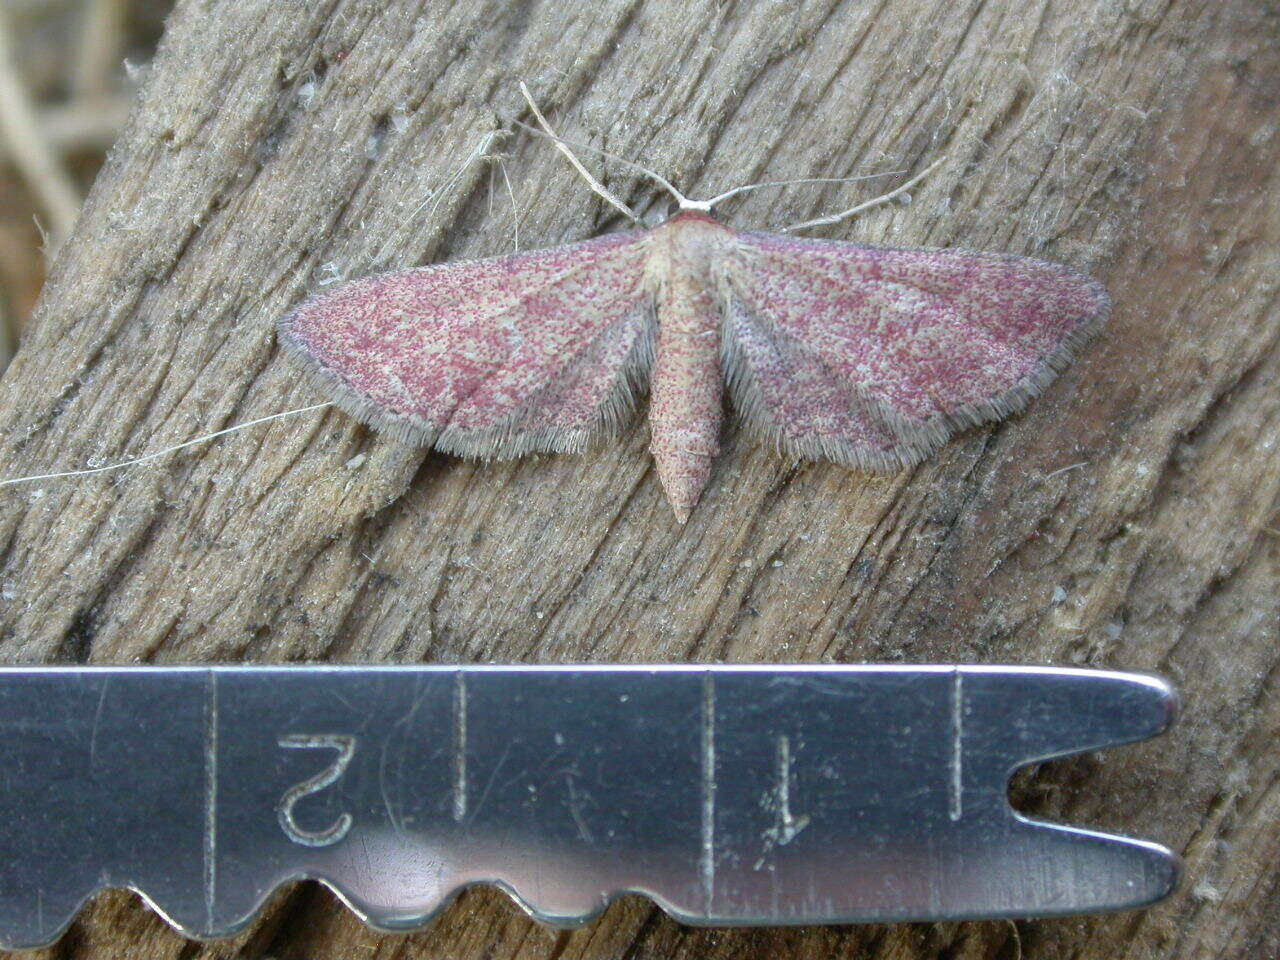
<point>868,356</point>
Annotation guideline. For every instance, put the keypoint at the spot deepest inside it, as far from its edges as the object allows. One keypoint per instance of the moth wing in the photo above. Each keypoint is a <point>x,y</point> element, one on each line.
<point>874,356</point>
<point>539,351</point>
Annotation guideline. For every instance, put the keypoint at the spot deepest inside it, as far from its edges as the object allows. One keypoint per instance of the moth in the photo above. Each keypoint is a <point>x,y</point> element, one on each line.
<point>867,356</point>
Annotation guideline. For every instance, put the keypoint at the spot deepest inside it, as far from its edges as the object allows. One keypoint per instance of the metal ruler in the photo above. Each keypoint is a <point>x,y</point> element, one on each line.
<point>728,794</point>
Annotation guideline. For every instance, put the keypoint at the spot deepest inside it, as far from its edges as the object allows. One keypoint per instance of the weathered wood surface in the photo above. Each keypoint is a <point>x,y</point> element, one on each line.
<point>278,143</point>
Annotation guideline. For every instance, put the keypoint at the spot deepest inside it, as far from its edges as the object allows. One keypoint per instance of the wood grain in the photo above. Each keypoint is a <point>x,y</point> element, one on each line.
<point>1128,519</point>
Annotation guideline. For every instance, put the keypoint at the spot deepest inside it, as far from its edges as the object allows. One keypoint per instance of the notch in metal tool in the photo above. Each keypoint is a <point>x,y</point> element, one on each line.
<point>729,794</point>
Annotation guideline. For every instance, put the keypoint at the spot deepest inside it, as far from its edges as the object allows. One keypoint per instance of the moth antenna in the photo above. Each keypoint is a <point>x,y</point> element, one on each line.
<point>787,183</point>
<point>661,180</point>
<point>595,184</point>
<point>166,450</point>
<point>563,145</point>
<point>867,204</point>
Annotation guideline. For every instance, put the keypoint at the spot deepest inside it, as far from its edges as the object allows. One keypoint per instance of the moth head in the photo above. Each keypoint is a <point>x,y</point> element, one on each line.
<point>666,208</point>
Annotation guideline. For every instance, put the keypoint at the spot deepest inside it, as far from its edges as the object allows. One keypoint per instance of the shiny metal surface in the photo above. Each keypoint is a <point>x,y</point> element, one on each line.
<point>730,795</point>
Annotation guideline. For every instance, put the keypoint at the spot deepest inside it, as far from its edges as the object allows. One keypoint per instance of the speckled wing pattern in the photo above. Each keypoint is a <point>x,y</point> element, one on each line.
<point>540,351</point>
<point>873,356</point>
